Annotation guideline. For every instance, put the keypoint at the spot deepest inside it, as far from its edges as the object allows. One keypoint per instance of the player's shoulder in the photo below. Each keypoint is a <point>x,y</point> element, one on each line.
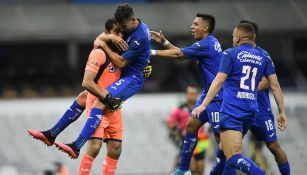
<point>98,53</point>
<point>230,51</point>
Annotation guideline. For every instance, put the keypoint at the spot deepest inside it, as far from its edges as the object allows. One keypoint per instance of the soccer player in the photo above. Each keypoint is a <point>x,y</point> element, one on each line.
<point>263,127</point>
<point>241,69</point>
<point>208,52</point>
<point>99,70</point>
<point>131,62</point>
<point>177,121</point>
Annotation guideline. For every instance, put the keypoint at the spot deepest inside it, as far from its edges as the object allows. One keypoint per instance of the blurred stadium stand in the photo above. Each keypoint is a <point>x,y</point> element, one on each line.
<point>44,43</point>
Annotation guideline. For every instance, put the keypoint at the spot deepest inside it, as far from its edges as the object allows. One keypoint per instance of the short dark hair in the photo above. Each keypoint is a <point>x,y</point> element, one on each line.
<point>210,19</point>
<point>253,24</point>
<point>248,29</point>
<point>109,24</point>
<point>123,12</point>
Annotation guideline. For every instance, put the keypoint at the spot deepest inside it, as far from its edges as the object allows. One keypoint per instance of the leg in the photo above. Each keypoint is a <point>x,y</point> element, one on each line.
<point>280,157</point>
<point>71,115</point>
<point>93,121</point>
<point>114,149</point>
<point>200,163</point>
<point>231,141</point>
<point>93,148</point>
<point>190,142</point>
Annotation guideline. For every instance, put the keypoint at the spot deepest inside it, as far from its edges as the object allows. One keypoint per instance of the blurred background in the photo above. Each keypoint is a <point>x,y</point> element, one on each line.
<point>44,45</point>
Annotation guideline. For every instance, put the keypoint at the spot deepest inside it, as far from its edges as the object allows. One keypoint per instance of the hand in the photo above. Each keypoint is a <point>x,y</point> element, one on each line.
<point>147,70</point>
<point>112,103</point>
<point>196,112</point>
<point>119,42</point>
<point>157,37</point>
<point>282,121</point>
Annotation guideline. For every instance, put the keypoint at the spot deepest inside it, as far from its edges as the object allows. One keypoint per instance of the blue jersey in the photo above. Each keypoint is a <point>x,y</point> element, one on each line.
<point>263,96</point>
<point>244,65</point>
<point>208,53</point>
<point>138,52</point>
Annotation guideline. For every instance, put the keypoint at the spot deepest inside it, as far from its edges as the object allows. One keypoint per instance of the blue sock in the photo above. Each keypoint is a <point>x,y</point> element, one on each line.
<point>90,127</point>
<point>244,164</point>
<point>220,164</point>
<point>71,115</point>
<point>284,168</point>
<point>190,142</point>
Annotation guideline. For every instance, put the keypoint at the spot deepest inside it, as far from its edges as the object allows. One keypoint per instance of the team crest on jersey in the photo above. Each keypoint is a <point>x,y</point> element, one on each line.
<point>217,46</point>
<point>112,69</point>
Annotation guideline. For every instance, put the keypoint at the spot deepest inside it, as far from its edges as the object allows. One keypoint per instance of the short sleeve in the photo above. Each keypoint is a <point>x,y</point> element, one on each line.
<point>270,68</point>
<point>95,60</point>
<point>226,62</point>
<point>134,50</point>
<point>195,50</point>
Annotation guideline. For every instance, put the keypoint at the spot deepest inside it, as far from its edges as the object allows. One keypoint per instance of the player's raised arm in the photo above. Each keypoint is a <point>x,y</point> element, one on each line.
<point>277,93</point>
<point>159,38</point>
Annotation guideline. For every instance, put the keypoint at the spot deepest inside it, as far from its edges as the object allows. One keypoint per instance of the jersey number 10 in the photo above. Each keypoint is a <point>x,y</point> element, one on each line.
<point>247,71</point>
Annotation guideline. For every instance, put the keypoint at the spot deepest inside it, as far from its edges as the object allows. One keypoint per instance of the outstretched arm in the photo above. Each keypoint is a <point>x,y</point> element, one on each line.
<point>170,53</point>
<point>277,93</point>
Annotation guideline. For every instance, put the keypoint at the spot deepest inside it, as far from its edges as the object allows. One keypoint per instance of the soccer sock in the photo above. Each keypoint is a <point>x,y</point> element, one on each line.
<point>284,168</point>
<point>109,166</point>
<point>244,164</point>
<point>220,164</point>
<point>189,145</point>
<point>90,127</point>
<point>86,165</point>
<point>71,115</point>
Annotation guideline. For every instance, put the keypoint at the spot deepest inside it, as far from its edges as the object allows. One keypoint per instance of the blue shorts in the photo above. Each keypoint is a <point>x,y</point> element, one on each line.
<point>230,122</point>
<point>211,114</point>
<point>263,128</point>
<point>125,87</point>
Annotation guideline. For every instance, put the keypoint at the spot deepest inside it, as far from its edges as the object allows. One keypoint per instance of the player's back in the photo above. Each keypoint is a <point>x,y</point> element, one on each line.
<point>138,52</point>
<point>106,73</point>
<point>248,65</point>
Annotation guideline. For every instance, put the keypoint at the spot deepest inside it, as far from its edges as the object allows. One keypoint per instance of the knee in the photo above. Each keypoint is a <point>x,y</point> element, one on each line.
<point>114,151</point>
<point>81,98</point>
<point>94,148</point>
<point>191,127</point>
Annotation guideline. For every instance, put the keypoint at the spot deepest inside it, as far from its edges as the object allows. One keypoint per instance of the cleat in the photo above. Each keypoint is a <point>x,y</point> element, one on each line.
<point>178,171</point>
<point>70,149</point>
<point>43,136</point>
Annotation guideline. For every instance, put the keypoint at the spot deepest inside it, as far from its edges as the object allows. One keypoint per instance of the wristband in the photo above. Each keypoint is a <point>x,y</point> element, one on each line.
<point>166,42</point>
<point>153,52</point>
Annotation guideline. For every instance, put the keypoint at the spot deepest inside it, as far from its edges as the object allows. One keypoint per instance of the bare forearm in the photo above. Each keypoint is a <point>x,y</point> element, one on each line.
<point>114,57</point>
<point>213,90</point>
<point>277,93</point>
<point>94,89</point>
<point>171,53</point>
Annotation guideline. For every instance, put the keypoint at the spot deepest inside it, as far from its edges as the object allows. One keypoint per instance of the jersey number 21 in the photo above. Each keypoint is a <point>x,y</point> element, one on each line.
<point>247,77</point>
